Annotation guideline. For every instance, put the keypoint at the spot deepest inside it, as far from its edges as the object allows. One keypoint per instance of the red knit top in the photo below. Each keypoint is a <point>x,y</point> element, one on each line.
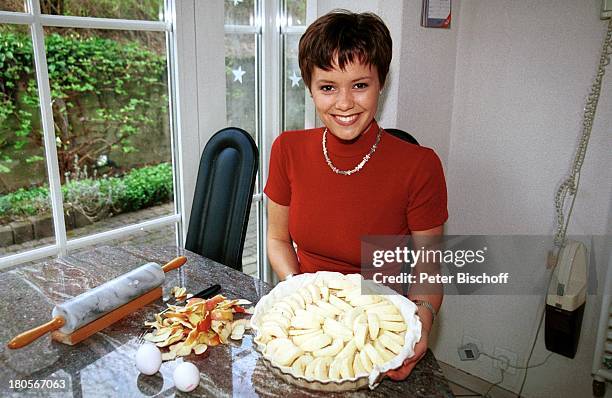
<point>399,190</point>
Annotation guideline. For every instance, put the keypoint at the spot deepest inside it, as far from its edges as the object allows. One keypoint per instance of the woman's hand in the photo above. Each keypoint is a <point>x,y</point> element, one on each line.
<point>403,371</point>
<point>433,295</point>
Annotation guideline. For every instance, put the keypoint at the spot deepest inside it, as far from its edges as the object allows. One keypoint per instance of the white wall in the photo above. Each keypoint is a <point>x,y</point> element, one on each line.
<point>427,79</point>
<point>201,71</point>
<point>523,70</point>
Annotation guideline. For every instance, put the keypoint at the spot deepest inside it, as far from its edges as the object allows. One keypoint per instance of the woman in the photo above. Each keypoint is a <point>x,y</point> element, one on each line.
<point>330,186</point>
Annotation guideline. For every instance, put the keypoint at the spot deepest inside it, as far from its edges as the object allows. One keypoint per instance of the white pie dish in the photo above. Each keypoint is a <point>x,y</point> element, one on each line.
<point>290,286</point>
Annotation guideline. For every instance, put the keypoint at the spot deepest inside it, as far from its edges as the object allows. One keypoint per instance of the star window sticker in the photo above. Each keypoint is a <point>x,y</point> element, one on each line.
<point>238,73</point>
<point>295,80</point>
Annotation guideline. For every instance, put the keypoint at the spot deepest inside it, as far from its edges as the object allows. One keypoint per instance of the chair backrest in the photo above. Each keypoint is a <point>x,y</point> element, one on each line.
<point>222,199</point>
<point>401,134</point>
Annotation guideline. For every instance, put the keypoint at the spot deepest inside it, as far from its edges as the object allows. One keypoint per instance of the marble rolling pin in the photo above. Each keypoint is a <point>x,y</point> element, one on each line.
<point>92,311</point>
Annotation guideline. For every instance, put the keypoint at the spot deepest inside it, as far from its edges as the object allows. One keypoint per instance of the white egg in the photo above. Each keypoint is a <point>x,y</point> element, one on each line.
<point>186,377</point>
<point>148,359</point>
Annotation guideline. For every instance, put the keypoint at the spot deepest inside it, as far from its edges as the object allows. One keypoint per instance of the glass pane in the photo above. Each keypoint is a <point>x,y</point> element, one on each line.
<point>249,254</point>
<point>12,5</point>
<point>25,207</point>
<point>152,10</point>
<point>240,12</point>
<point>240,81</point>
<point>294,91</point>
<point>110,108</point>
<point>162,237</point>
<point>296,12</point>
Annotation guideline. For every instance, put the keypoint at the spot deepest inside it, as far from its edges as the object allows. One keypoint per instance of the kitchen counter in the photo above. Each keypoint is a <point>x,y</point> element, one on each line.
<point>103,365</point>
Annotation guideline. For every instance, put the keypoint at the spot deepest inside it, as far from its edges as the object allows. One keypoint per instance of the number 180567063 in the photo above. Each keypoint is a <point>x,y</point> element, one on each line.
<point>37,384</point>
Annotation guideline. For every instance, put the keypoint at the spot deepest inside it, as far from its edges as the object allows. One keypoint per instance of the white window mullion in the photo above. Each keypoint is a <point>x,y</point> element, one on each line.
<point>310,117</point>
<point>271,110</point>
<point>44,97</point>
<point>19,18</point>
<point>173,113</point>
<point>261,131</point>
<point>293,30</point>
<point>90,240</point>
<point>30,255</point>
<point>242,29</point>
<point>67,21</point>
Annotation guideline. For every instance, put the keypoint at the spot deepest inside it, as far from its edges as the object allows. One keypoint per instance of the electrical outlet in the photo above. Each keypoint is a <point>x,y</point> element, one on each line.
<point>470,339</point>
<point>505,358</point>
<point>468,352</point>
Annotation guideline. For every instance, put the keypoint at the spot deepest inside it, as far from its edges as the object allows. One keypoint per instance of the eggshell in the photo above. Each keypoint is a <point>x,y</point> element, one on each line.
<point>186,377</point>
<point>148,359</point>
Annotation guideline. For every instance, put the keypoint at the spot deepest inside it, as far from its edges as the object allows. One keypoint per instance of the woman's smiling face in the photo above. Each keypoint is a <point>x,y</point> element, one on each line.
<point>346,100</point>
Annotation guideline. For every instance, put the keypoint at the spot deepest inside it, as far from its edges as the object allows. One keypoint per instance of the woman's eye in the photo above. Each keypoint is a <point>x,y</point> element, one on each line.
<point>326,88</point>
<point>361,85</point>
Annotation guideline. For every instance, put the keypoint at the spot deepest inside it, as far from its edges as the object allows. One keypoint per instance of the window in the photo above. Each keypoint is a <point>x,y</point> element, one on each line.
<point>107,70</point>
<point>97,163</point>
<point>242,44</point>
<point>253,52</point>
<point>22,158</point>
<point>294,93</point>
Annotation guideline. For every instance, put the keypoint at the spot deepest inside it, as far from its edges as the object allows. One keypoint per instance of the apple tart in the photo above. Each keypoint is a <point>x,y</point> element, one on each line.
<point>320,331</point>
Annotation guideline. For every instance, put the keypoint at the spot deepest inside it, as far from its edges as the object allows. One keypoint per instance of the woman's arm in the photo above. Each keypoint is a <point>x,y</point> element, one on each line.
<point>432,293</point>
<point>281,254</point>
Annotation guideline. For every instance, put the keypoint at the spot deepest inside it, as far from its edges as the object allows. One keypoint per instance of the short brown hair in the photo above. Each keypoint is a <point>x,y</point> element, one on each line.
<point>349,37</point>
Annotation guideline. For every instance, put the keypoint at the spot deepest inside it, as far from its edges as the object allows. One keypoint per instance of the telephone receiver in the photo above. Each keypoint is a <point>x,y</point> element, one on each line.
<point>567,288</point>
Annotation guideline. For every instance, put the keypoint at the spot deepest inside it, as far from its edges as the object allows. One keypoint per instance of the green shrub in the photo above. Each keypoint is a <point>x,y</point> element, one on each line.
<point>146,186</point>
<point>25,202</point>
<point>92,197</point>
<point>97,198</point>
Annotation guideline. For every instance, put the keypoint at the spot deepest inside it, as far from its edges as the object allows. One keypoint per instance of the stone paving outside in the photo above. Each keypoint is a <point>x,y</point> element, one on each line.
<point>163,236</point>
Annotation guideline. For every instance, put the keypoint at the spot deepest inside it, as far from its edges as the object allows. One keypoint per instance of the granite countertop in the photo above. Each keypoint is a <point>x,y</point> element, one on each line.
<point>103,365</point>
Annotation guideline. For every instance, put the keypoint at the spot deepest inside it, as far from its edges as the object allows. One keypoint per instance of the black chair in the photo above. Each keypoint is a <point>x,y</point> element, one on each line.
<point>222,199</point>
<point>401,134</point>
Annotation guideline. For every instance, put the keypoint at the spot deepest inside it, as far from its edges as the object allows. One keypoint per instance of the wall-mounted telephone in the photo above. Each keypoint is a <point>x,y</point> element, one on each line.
<point>606,9</point>
<point>566,300</point>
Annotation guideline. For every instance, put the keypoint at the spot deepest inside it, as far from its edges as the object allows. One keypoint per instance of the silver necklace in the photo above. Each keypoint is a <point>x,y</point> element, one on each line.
<point>356,168</point>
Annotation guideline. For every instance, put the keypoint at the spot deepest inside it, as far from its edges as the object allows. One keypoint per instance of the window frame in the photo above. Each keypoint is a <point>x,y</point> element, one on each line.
<point>275,31</point>
<point>194,116</point>
<point>36,21</point>
<point>271,30</point>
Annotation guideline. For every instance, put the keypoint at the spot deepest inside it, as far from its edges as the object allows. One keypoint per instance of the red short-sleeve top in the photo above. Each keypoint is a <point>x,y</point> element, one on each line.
<point>400,189</point>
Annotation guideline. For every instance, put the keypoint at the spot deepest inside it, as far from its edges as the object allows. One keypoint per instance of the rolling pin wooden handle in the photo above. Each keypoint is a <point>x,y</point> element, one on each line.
<point>174,264</point>
<point>26,338</point>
